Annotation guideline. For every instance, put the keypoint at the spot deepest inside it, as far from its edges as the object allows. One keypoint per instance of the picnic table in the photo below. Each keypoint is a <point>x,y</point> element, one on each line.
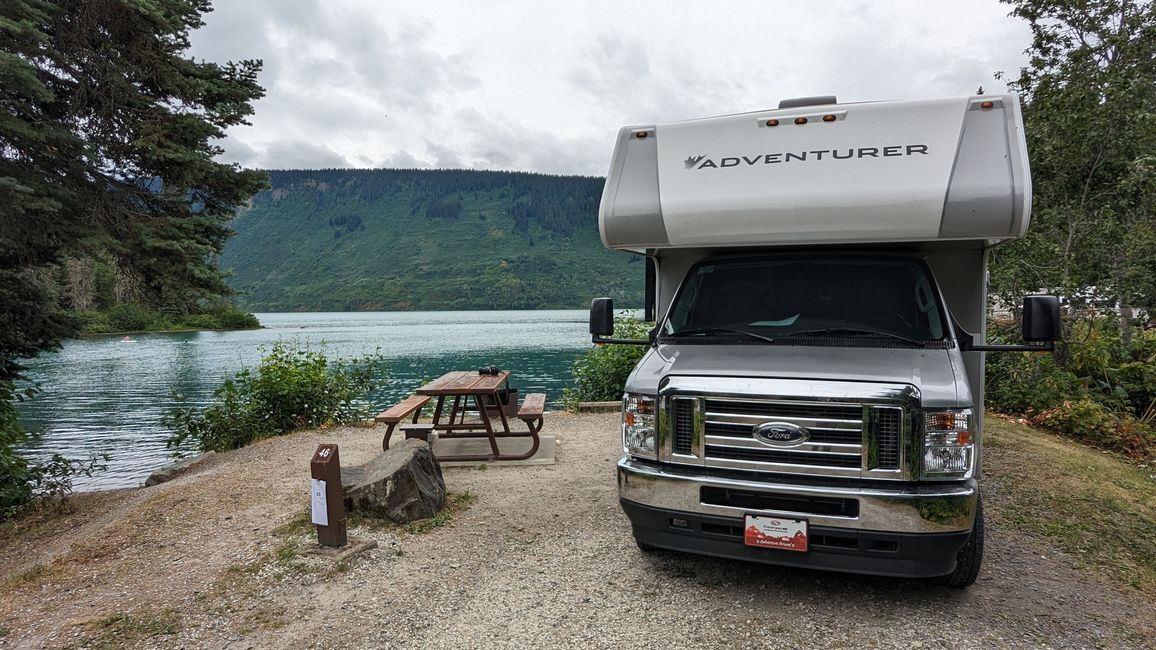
<point>457,389</point>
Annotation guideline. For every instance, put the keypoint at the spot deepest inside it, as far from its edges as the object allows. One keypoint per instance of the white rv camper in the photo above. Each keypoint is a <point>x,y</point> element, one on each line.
<point>812,394</point>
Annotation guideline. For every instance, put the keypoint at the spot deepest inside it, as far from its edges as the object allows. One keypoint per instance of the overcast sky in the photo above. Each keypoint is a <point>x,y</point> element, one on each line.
<point>543,86</point>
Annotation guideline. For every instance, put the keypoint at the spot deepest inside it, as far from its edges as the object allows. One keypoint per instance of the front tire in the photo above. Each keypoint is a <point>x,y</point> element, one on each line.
<point>970,557</point>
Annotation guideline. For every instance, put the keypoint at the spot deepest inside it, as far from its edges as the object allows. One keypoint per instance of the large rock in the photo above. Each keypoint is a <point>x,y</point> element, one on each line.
<point>402,484</point>
<point>170,472</point>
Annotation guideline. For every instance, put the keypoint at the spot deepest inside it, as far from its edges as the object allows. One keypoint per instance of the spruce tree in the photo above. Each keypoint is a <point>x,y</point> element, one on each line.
<point>108,136</point>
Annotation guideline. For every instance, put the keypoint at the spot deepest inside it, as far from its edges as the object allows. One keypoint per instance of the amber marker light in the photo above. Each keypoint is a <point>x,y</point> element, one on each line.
<point>986,105</point>
<point>942,421</point>
<point>641,135</point>
<point>828,118</point>
<point>800,120</point>
<point>772,122</point>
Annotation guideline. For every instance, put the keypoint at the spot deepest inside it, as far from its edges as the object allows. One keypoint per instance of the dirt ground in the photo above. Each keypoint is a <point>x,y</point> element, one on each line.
<point>543,557</point>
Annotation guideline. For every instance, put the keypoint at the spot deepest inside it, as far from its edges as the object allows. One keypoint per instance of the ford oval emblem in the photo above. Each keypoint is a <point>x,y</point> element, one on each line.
<point>781,434</point>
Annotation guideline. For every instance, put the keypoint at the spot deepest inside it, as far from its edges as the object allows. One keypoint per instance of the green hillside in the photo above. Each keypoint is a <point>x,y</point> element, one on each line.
<point>384,239</point>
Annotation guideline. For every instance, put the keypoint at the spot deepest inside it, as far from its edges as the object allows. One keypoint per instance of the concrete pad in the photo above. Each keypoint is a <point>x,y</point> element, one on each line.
<point>458,446</point>
<point>600,407</point>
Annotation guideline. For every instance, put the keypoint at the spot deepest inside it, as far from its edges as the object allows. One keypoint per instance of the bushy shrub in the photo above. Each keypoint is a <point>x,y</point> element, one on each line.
<point>15,486</point>
<point>292,387</point>
<point>1090,421</point>
<point>231,318</point>
<point>94,322</point>
<point>1025,383</point>
<point>600,375</point>
<point>132,318</point>
<point>218,317</point>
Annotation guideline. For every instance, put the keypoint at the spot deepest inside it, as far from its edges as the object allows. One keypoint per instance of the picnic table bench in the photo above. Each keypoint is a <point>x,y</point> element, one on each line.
<point>531,411</point>
<point>456,390</point>
<point>398,412</point>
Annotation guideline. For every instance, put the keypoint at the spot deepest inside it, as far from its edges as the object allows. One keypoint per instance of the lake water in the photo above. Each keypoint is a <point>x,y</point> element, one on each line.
<point>103,395</point>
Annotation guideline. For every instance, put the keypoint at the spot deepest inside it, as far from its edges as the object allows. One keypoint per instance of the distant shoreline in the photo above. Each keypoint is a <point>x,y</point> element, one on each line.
<point>89,335</point>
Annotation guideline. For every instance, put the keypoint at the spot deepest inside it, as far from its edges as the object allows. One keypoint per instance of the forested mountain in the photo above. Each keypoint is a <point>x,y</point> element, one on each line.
<point>386,239</point>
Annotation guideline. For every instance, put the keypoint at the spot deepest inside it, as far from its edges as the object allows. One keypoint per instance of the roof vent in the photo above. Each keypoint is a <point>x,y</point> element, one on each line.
<point>817,100</point>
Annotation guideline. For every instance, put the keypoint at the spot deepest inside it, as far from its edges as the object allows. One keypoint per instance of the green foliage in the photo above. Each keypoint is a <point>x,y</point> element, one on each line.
<point>1022,383</point>
<point>292,387</point>
<point>15,475</point>
<point>1090,103</point>
<point>601,374</point>
<point>136,318</point>
<point>1090,389</point>
<point>1090,421</point>
<point>425,239</point>
<point>219,318</point>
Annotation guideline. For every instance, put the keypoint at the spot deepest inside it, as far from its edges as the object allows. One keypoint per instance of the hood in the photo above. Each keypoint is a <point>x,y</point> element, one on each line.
<point>930,371</point>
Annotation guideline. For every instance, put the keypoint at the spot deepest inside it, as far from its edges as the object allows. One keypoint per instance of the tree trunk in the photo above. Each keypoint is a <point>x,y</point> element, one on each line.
<point>1126,315</point>
<point>1123,309</point>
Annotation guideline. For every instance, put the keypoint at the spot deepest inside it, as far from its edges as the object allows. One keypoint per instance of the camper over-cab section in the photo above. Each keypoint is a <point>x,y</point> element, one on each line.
<point>903,171</point>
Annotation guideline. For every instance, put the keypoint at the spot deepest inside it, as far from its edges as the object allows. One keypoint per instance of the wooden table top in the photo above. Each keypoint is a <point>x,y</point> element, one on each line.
<point>464,382</point>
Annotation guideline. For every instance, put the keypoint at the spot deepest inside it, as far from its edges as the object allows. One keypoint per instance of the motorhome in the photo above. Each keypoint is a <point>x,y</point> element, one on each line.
<point>812,392</point>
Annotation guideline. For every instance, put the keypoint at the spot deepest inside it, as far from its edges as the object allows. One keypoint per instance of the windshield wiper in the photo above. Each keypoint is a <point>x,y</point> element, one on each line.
<point>836,331</point>
<point>706,331</point>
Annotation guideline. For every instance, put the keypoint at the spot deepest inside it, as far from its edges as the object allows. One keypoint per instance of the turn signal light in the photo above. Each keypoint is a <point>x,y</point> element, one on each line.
<point>986,105</point>
<point>945,421</point>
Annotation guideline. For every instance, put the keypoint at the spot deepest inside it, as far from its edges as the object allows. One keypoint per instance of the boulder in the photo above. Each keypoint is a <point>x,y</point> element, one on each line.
<point>170,472</point>
<point>402,484</point>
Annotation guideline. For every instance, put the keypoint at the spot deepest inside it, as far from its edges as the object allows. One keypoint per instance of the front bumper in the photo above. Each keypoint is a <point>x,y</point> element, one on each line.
<point>905,529</point>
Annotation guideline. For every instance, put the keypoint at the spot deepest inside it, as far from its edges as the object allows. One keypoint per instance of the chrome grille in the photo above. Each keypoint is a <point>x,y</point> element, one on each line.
<point>854,429</point>
<point>835,440</point>
<point>683,425</point>
<point>786,409</point>
<point>887,427</point>
<point>787,457</point>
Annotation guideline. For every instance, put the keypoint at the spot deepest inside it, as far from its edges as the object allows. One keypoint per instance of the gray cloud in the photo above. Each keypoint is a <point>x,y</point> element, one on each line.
<point>402,160</point>
<point>299,154</point>
<point>510,86</point>
<point>237,151</point>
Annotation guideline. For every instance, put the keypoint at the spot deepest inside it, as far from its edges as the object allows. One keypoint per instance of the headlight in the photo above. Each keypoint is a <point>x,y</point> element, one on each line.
<point>638,433</point>
<point>948,444</point>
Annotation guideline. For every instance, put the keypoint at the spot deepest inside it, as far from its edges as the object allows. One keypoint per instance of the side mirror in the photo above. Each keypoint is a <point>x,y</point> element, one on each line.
<point>602,317</point>
<point>1042,319</point>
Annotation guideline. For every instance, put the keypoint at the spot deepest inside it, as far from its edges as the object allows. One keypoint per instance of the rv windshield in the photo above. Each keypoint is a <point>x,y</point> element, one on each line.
<point>781,299</point>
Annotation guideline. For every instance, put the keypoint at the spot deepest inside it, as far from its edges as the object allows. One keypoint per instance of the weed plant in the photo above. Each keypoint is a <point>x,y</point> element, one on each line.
<point>292,387</point>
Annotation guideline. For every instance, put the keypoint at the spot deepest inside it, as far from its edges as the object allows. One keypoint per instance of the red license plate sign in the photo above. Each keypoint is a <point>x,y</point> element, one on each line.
<point>776,532</point>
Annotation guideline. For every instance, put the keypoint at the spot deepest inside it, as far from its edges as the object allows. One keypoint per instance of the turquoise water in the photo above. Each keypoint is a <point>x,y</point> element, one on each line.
<point>104,395</point>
